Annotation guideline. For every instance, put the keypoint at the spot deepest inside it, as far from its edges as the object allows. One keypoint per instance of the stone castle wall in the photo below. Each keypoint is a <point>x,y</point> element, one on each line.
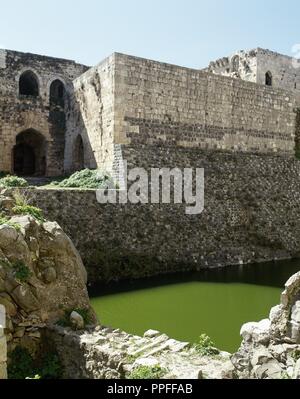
<point>251,210</point>
<point>91,117</point>
<point>19,113</point>
<point>166,105</point>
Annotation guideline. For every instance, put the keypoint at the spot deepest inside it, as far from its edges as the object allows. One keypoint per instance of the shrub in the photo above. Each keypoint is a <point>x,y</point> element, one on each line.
<point>93,179</point>
<point>296,355</point>
<point>23,366</point>
<point>13,181</point>
<point>51,368</point>
<point>147,373</point>
<point>21,271</point>
<point>205,346</point>
<point>20,365</point>
<point>33,211</point>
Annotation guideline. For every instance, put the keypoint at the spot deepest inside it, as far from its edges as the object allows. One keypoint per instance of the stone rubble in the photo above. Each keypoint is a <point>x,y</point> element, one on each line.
<point>271,348</point>
<point>41,277</point>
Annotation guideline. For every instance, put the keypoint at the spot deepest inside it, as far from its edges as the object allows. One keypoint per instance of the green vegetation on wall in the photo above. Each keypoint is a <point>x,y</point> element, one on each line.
<point>147,373</point>
<point>12,181</point>
<point>89,179</point>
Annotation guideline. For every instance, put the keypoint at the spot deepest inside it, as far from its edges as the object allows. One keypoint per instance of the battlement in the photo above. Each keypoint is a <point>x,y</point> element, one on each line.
<point>261,66</point>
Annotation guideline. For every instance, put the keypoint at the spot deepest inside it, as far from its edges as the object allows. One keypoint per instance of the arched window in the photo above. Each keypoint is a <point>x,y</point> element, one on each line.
<point>28,84</point>
<point>57,93</point>
<point>269,79</point>
<point>78,154</point>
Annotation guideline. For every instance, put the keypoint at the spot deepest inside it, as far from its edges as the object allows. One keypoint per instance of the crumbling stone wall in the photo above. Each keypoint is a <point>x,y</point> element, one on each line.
<point>242,65</point>
<point>254,64</point>
<point>251,210</point>
<point>19,113</point>
<point>270,349</point>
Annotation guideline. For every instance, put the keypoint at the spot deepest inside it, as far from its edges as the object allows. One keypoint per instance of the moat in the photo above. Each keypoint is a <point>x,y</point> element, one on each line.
<point>216,302</point>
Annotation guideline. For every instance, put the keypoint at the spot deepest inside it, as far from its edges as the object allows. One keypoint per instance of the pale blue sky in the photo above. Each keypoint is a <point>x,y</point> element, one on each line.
<point>188,33</point>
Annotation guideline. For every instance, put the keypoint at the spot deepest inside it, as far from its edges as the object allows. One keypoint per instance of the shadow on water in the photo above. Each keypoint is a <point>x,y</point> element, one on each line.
<point>271,274</point>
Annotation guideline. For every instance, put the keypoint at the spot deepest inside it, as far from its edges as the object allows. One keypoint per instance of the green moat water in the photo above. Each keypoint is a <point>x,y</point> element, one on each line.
<point>184,306</point>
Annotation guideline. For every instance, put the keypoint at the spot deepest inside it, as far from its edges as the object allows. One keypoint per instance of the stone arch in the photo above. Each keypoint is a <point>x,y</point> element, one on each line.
<point>28,84</point>
<point>29,154</point>
<point>269,78</point>
<point>57,93</point>
<point>78,154</point>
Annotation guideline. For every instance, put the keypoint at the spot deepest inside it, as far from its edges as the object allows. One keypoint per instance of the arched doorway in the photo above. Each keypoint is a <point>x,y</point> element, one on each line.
<point>29,154</point>
<point>78,154</point>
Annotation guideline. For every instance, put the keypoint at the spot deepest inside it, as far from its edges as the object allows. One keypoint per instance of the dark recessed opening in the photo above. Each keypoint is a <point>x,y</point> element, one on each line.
<point>28,84</point>
<point>57,93</point>
<point>29,154</point>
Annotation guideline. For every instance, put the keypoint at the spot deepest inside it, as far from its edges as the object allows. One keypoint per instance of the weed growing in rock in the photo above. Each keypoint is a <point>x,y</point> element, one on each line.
<point>21,271</point>
<point>296,355</point>
<point>22,207</point>
<point>147,373</point>
<point>29,210</point>
<point>285,376</point>
<point>205,346</point>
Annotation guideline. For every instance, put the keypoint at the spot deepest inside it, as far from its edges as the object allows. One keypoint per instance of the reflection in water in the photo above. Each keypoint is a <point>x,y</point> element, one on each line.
<point>216,302</point>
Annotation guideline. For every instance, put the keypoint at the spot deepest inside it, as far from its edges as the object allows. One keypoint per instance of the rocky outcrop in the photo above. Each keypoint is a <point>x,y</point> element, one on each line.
<point>271,348</point>
<point>42,276</point>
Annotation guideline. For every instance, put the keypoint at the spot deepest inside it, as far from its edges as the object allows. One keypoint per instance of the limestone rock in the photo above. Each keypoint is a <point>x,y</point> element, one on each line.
<point>257,332</point>
<point>49,275</point>
<point>296,372</point>
<point>296,312</point>
<point>151,334</point>
<point>261,356</point>
<point>268,370</point>
<point>25,298</point>
<point>77,321</point>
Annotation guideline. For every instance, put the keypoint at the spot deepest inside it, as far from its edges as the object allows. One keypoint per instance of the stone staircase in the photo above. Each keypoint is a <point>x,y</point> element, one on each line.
<point>104,353</point>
